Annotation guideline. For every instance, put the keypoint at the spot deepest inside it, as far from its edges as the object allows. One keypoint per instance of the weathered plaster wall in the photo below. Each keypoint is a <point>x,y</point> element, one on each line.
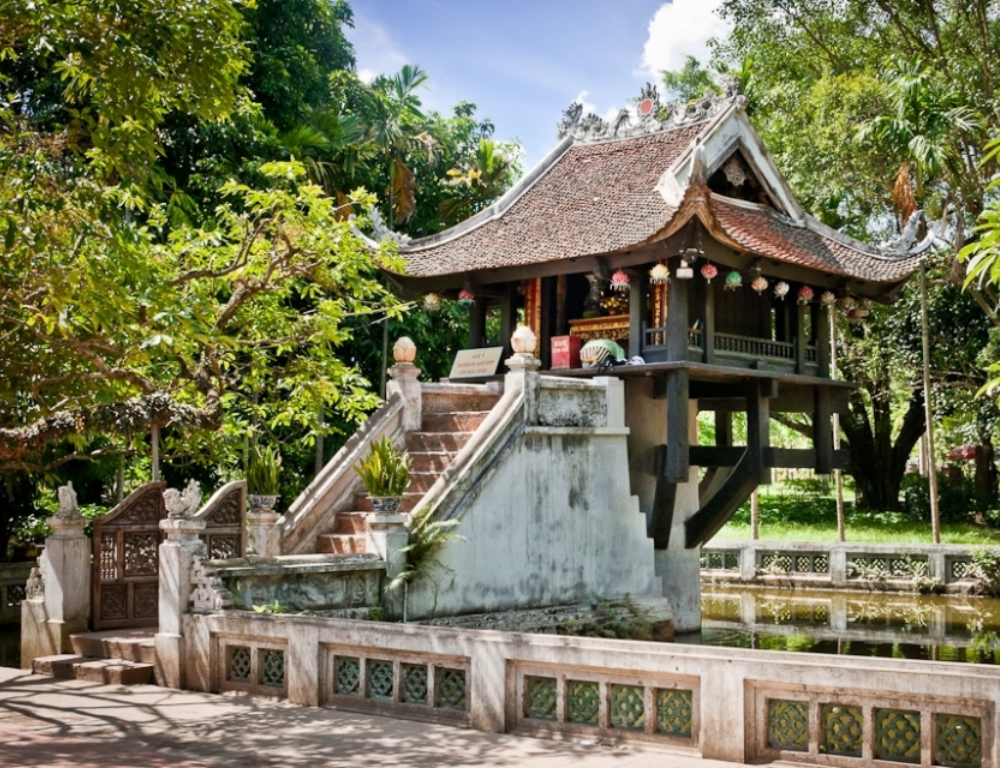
<point>553,523</point>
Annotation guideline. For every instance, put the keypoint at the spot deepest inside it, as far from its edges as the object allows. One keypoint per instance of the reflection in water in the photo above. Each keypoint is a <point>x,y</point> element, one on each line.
<point>939,628</point>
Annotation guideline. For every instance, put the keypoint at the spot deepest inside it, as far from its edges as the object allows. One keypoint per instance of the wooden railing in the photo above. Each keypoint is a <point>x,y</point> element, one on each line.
<point>731,346</point>
<point>745,345</point>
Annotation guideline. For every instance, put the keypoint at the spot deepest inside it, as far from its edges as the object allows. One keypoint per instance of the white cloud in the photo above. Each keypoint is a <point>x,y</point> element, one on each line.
<point>377,53</point>
<point>679,29</point>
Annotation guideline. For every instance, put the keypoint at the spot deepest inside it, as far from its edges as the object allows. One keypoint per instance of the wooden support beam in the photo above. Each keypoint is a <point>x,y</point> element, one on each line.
<point>758,428</point>
<point>707,521</point>
<point>677,320</point>
<point>709,327</point>
<point>801,399</point>
<point>823,431</point>
<point>638,286</point>
<point>723,428</point>
<point>716,455</point>
<point>508,319</point>
<point>822,326</point>
<point>678,428</point>
<point>477,323</point>
<point>663,513</point>
<point>801,339</point>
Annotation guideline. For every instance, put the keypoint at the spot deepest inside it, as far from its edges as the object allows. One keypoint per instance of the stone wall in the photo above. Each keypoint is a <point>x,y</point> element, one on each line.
<point>545,511</point>
<point>738,705</point>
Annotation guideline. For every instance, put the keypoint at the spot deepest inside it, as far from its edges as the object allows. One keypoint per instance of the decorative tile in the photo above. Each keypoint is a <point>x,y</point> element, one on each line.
<point>272,668</point>
<point>380,680</point>
<point>788,725</point>
<point>803,564</point>
<point>842,730</point>
<point>958,741</point>
<point>347,676</point>
<point>897,735</point>
<point>583,702</point>
<point>732,561</point>
<point>415,683</point>
<point>540,698</point>
<point>673,713</point>
<point>715,560</point>
<point>821,564</point>
<point>451,688</point>
<point>239,664</point>
<point>628,709</point>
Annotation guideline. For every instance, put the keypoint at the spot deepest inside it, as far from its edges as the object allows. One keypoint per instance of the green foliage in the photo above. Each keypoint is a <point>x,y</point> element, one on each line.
<point>690,82</point>
<point>622,619</point>
<point>264,471</point>
<point>273,607</point>
<point>385,469</point>
<point>955,503</point>
<point>986,571</point>
<point>427,537</point>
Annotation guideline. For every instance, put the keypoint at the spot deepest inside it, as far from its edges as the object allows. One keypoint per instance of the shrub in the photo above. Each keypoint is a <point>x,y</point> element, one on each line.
<point>385,470</point>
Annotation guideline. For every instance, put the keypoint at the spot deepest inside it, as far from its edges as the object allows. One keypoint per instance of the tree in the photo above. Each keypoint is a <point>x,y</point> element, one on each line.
<point>871,109</point>
<point>691,82</point>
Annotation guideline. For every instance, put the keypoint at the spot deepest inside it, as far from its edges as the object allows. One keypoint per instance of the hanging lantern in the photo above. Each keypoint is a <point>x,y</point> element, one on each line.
<point>734,280</point>
<point>684,271</point>
<point>847,303</point>
<point>708,271</point>
<point>619,281</point>
<point>805,294</point>
<point>659,274</point>
<point>466,297</point>
<point>759,284</point>
<point>432,302</point>
<point>828,298</point>
<point>781,289</point>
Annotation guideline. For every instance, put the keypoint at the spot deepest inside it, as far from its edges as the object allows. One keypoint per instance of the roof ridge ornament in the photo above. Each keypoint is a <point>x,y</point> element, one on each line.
<point>649,115</point>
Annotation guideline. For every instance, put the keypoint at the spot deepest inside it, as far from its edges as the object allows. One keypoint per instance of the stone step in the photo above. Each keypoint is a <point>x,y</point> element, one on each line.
<point>350,522</point>
<point>340,544</point>
<point>422,481</point>
<point>455,421</point>
<point>123,644</point>
<point>436,441</point>
<point>445,401</point>
<point>430,461</point>
<point>363,503</point>
<point>105,671</point>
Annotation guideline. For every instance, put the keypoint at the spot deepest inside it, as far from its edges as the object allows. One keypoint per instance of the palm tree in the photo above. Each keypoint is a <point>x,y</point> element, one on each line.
<point>487,177</point>
<point>396,110</point>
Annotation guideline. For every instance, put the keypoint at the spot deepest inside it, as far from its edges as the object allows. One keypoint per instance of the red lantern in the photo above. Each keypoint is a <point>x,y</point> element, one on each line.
<point>708,271</point>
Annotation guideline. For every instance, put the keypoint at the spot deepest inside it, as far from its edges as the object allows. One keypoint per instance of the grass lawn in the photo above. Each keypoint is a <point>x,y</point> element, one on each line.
<point>875,531</point>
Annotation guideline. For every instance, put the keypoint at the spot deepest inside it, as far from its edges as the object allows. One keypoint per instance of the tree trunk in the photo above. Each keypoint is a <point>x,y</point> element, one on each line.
<point>877,461</point>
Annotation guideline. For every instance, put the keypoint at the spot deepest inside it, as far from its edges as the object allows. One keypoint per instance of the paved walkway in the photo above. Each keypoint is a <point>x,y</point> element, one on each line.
<point>46,723</point>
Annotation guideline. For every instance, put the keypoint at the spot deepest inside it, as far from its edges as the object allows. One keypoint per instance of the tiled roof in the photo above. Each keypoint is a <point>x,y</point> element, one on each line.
<point>597,198</point>
<point>763,232</point>
<point>600,198</point>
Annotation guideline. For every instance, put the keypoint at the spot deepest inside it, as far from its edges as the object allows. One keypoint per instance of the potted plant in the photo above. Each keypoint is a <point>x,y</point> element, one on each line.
<point>263,478</point>
<point>385,471</point>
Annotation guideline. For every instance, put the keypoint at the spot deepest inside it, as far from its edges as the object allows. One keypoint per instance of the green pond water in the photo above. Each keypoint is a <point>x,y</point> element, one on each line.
<point>939,628</point>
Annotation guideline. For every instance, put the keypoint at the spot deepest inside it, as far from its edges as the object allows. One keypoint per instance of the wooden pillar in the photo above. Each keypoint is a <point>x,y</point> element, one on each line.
<point>759,426</point>
<point>801,340</point>
<point>678,428</point>
<point>562,324</point>
<point>677,320</point>
<point>723,428</point>
<point>823,431</point>
<point>709,329</point>
<point>636,312</point>
<point>822,343</point>
<point>477,323</point>
<point>508,318</point>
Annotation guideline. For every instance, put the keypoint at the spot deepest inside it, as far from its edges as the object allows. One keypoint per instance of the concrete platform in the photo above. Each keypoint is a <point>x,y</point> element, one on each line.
<point>60,723</point>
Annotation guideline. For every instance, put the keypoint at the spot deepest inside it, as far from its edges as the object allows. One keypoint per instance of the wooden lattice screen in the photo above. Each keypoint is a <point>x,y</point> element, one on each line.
<point>225,521</point>
<point>126,561</point>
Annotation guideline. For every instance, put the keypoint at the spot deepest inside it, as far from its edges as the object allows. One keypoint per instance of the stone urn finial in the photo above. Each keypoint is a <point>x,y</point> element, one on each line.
<point>523,340</point>
<point>404,350</point>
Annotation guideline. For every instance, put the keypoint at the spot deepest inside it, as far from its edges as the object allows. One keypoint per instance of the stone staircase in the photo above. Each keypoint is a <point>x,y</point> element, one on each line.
<point>112,657</point>
<point>449,418</point>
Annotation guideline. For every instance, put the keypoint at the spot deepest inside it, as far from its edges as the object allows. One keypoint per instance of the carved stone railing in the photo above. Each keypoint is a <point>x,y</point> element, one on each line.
<point>335,485</point>
<point>13,578</point>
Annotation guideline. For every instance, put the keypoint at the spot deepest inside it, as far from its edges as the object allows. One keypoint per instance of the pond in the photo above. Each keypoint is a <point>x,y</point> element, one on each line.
<point>905,626</point>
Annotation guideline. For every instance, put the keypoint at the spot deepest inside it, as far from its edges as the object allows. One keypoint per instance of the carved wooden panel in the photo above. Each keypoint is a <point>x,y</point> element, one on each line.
<point>126,561</point>
<point>225,521</point>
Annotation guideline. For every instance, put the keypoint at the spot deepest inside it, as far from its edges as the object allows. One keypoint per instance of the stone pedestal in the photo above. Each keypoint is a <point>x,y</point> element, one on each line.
<point>523,375</point>
<point>387,535</point>
<point>263,533</point>
<point>405,382</point>
<point>176,556</point>
<point>66,573</point>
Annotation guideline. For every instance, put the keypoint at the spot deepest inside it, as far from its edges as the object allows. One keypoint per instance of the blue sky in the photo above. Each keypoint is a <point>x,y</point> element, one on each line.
<point>523,62</point>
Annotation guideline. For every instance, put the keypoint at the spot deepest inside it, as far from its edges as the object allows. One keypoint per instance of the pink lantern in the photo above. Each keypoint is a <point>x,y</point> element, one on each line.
<point>781,289</point>
<point>805,294</point>
<point>466,297</point>
<point>759,284</point>
<point>708,271</point>
<point>619,281</point>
